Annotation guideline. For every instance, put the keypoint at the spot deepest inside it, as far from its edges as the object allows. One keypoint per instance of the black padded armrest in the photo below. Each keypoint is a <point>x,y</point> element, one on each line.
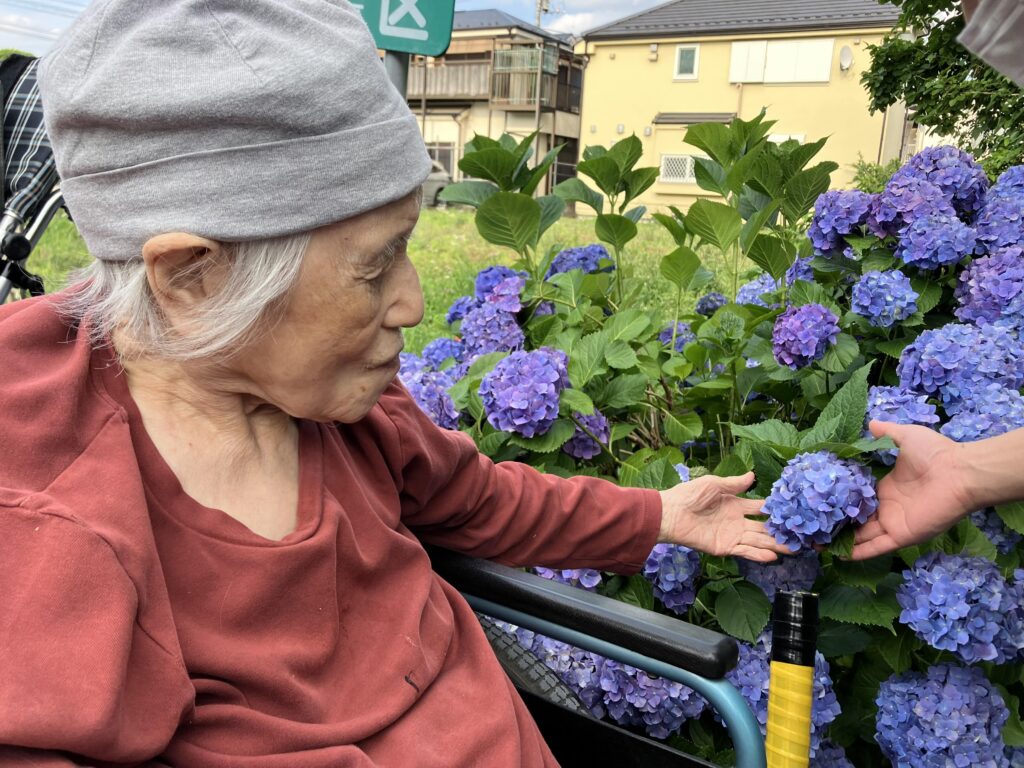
<point>698,650</point>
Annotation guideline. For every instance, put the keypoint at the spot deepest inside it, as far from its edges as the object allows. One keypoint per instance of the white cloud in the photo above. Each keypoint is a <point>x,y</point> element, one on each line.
<point>575,23</point>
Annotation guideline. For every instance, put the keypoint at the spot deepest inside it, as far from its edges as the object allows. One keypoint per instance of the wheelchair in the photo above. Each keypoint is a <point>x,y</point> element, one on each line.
<point>661,645</point>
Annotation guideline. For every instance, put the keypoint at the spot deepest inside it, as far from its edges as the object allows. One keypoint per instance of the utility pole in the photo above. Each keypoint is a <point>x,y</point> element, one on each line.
<point>543,6</point>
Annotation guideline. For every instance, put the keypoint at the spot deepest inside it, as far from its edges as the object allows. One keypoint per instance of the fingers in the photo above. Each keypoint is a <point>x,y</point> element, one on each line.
<point>757,555</point>
<point>887,429</point>
<point>763,540</point>
<point>870,530</point>
<point>880,545</point>
<point>737,483</point>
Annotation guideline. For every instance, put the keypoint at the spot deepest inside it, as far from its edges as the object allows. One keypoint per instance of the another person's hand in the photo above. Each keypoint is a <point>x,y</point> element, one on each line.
<point>925,494</point>
<point>706,514</point>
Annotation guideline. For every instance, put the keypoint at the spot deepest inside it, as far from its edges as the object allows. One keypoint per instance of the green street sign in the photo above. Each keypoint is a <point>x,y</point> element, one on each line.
<point>410,26</point>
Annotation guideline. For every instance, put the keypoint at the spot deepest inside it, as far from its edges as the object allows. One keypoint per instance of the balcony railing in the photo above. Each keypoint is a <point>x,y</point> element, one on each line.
<point>453,81</point>
<point>519,89</point>
<point>525,59</point>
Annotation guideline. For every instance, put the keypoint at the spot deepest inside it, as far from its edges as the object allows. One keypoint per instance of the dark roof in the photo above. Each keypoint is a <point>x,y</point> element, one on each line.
<point>495,19</point>
<point>692,118</point>
<point>721,17</point>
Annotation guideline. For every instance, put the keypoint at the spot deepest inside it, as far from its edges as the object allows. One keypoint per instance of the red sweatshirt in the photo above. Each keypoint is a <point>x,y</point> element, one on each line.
<point>137,625</point>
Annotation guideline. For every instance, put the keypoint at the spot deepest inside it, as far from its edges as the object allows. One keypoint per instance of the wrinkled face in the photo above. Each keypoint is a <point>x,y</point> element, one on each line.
<point>335,348</point>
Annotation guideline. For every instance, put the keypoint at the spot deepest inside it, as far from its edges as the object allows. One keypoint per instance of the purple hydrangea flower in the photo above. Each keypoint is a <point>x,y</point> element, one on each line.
<point>487,279</point>
<point>955,172</point>
<point>946,716</point>
<point>965,606</point>
<point>587,258</point>
<point>800,270</point>
<point>430,391</point>
<point>635,698</point>
<point>682,333</point>
<point>752,292</point>
<point>838,213</point>
<point>1001,221</point>
<point>988,286</point>
<point>815,496</point>
<point>936,240</point>
<point>899,407</point>
<point>804,334</point>
<point>904,200</point>
<point>488,328</point>
<point>584,578</point>
<point>583,446</point>
<point>992,410</point>
<point>439,350</point>
<point>410,365</point>
<point>1015,755</point>
<point>787,574</point>
<point>673,570</point>
<point>460,307</point>
<point>710,303</point>
<point>751,676</point>
<point>683,471</point>
<point>884,298</point>
<point>1002,538</point>
<point>831,755</point>
<point>1009,184</point>
<point>521,393</point>
<point>544,308</point>
<point>506,294</point>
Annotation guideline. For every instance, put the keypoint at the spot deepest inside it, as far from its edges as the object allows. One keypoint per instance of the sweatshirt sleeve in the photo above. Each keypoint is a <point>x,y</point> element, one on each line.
<point>454,496</point>
<point>79,675</point>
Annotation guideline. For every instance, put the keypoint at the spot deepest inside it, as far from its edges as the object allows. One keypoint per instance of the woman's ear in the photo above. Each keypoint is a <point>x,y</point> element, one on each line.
<point>182,270</point>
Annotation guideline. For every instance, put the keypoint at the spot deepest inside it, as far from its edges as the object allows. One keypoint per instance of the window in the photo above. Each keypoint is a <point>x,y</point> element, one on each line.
<point>781,61</point>
<point>746,63</point>
<point>444,155</point>
<point>687,61</point>
<point>678,169</point>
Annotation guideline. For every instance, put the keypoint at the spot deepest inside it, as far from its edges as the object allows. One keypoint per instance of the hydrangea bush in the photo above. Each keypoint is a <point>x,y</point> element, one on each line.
<point>839,307</point>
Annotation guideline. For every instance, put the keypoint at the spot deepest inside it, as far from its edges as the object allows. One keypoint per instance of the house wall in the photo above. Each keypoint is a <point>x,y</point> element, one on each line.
<point>626,85</point>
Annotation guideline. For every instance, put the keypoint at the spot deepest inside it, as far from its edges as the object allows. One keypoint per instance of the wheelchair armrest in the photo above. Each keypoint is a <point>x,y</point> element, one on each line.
<point>666,639</point>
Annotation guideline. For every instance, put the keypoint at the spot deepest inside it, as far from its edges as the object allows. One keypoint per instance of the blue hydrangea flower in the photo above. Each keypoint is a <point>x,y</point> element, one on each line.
<point>936,240</point>
<point>430,391</point>
<point>544,308</point>
<point>632,697</point>
<point>787,574</point>
<point>587,258</point>
<point>673,570</point>
<point>682,333</point>
<point>987,287</point>
<point>815,496</point>
<point>521,393</point>
<point>710,303</point>
<point>752,292</point>
<point>899,407</point>
<point>884,298</point>
<point>800,270</point>
<point>506,294</point>
<point>584,578</point>
<point>904,200</point>
<point>955,172</point>
<point>831,755</point>
<point>1001,221</point>
<point>488,328</point>
<point>751,676</point>
<point>992,410</point>
<point>578,669</point>
<point>838,213</point>
<point>583,446</point>
<point>804,334</point>
<point>946,716</point>
<point>1010,183</point>
<point>1015,755</point>
<point>439,350</point>
<point>1002,538</point>
<point>487,278</point>
<point>459,308</point>
<point>409,365</point>
<point>964,605</point>
<point>683,471</point>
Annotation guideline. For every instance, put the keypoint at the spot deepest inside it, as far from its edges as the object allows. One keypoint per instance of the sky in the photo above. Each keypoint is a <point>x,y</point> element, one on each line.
<point>34,25</point>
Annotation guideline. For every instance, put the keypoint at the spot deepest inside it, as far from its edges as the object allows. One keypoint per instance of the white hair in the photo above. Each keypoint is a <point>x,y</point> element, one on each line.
<point>115,296</point>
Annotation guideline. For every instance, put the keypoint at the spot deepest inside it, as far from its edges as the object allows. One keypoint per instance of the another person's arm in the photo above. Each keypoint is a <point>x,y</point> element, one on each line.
<point>935,483</point>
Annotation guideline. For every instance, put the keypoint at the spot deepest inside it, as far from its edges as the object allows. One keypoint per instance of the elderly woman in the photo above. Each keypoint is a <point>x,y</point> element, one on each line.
<point>213,490</point>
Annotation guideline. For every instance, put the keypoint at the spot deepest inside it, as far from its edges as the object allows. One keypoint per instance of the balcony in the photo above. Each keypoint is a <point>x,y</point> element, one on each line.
<point>453,81</point>
<point>525,59</point>
<point>513,90</point>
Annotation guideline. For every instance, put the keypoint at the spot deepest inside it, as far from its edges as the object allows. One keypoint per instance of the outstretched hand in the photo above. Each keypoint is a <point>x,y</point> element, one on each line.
<point>707,515</point>
<point>923,496</point>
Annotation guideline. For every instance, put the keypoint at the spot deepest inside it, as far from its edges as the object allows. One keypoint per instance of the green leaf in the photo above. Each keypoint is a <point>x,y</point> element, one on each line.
<point>836,639</point>
<point>576,401</point>
<point>683,429</point>
<point>803,190</point>
<point>658,475</point>
<point>637,182</point>
<point>575,190</point>
<point>472,193</point>
<point>850,403</point>
<point>539,171</point>
<point>680,266</point>
<point>769,253</point>
<point>732,465</point>
<point>742,610</point>
<point>897,650</point>
<point>857,605</point>
<point>710,176</point>
<point>626,152</point>
<point>551,208</point>
<point>615,230</point>
<point>741,171</point>
<point>929,294</point>
<point>624,391</point>
<point>1012,515</point>
<point>714,139</point>
<point>489,444</point>
<point>618,354</point>
<point>484,364</point>
<point>756,220</point>
<point>841,354</point>
<point>715,223</point>
<point>510,219</point>
<point>862,573</point>
<point>494,164</point>
<point>772,431</point>
<point>638,591</point>
<point>635,214</point>
<point>627,325</point>
<point>559,434</point>
<point>1013,731</point>
<point>878,262</point>
<point>803,292</point>
<point>586,359</point>
<point>842,545</point>
<point>893,347</point>
<point>975,543</point>
<point>604,171</point>
<point>673,225</point>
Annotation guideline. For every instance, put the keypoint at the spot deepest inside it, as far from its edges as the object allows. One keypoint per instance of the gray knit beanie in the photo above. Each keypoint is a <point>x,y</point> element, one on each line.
<point>229,119</point>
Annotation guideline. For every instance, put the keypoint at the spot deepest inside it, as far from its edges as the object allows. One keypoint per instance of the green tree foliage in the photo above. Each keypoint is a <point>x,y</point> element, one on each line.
<point>946,87</point>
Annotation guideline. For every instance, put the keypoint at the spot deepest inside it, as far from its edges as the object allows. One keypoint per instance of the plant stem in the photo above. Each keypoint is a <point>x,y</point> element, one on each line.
<point>604,448</point>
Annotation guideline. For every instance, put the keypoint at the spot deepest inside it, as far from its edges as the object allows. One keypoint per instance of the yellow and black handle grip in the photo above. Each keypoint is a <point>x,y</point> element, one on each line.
<point>791,685</point>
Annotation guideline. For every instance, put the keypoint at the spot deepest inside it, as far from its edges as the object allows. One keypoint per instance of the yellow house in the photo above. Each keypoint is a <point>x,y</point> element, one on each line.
<point>690,61</point>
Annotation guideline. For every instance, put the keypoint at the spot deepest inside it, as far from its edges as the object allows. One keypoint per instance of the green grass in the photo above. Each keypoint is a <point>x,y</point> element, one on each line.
<point>448,252</point>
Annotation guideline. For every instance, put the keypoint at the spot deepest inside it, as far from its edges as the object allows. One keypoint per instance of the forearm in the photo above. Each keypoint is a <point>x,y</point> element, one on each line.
<point>993,469</point>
